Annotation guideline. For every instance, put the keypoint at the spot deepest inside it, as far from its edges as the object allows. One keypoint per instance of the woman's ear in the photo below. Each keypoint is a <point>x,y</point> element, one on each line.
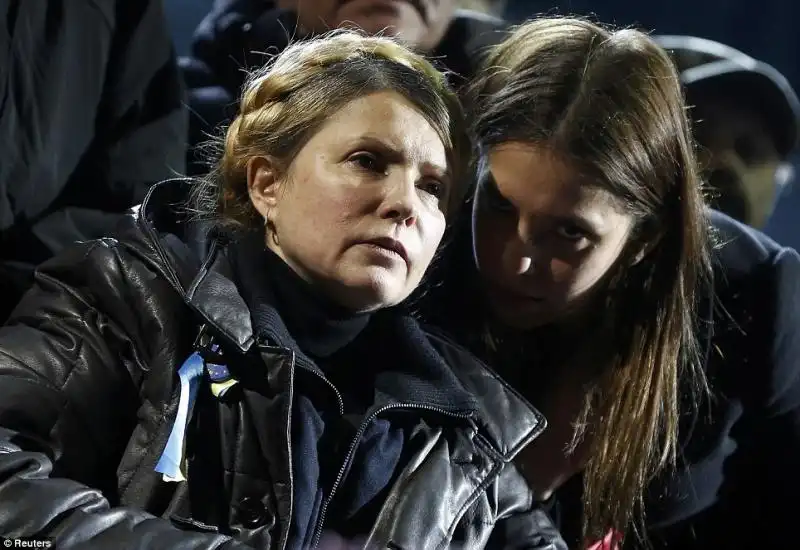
<point>262,184</point>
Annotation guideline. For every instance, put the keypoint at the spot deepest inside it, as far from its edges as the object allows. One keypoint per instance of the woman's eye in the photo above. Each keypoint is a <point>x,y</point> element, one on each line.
<point>434,188</point>
<point>572,232</point>
<point>369,162</point>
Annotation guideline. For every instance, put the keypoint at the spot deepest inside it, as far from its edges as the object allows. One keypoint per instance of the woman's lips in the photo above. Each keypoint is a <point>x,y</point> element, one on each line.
<point>510,296</point>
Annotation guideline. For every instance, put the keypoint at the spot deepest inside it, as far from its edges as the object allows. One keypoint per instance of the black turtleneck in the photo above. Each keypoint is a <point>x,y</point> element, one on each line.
<point>318,326</point>
<point>287,309</point>
<point>367,358</point>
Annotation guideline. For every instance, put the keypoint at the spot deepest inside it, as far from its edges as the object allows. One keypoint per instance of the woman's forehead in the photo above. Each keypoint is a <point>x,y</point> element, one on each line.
<point>538,181</point>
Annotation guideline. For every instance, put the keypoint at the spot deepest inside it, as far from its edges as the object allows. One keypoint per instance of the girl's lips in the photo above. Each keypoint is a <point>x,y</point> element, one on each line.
<point>506,295</point>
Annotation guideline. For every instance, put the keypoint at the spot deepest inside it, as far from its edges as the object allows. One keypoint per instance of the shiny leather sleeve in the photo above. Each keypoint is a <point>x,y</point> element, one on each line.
<point>70,370</point>
<point>522,523</point>
<point>33,504</point>
<point>531,530</point>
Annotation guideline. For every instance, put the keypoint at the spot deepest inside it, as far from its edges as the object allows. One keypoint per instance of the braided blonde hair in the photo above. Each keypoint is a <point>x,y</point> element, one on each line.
<point>285,102</point>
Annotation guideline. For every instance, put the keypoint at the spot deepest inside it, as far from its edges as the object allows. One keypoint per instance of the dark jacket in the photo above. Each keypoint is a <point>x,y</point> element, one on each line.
<point>240,35</point>
<point>738,478</point>
<point>89,393</point>
<point>91,115</point>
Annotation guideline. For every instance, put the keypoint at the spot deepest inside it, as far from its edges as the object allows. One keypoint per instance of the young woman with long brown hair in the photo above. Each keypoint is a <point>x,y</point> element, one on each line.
<point>660,339</point>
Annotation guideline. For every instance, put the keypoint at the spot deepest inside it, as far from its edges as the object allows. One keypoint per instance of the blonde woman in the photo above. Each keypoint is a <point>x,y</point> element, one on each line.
<point>245,383</point>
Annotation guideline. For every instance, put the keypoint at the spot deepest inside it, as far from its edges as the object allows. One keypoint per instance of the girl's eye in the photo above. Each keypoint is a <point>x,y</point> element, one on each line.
<point>572,232</point>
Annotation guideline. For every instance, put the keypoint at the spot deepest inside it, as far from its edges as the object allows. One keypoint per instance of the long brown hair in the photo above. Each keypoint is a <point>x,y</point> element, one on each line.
<point>610,102</point>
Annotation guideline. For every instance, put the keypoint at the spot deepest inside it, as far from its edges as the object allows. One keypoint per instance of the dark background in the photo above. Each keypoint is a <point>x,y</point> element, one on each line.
<point>766,29</point>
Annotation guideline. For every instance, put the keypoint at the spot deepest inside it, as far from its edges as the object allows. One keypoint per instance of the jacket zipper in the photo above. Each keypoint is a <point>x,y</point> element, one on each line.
<point>354,445</point>
<point>299,361</point>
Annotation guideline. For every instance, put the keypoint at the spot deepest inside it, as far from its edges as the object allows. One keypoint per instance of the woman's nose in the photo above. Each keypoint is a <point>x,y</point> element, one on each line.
<point>518,257</point>
<point>520,250</point>
<point>400,202</point>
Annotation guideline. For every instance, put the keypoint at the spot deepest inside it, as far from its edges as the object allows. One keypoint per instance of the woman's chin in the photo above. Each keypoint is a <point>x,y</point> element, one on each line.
<point>521,317</point>
<point>371,293</point>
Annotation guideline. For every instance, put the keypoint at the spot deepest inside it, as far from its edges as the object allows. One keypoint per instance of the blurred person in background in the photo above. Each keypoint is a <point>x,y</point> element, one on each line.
<point>91,115</point>
<point>241,34</point>
<point>766,30</point>
<point>745,116</point>
<point>495,7</point>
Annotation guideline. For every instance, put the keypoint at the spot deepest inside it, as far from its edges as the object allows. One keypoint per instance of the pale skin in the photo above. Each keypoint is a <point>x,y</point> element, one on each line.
<point>545,239</point>
<point>375,170</point>
<point>421,24</point>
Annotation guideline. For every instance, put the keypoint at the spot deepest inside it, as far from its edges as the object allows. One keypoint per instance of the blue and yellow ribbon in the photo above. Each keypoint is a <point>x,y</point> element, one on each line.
<point>171,464</point>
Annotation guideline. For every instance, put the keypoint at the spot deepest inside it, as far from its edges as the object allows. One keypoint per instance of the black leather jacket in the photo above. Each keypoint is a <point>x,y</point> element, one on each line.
<point>89,392</point>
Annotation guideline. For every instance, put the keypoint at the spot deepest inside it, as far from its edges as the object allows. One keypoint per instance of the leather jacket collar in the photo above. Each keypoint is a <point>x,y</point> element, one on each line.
<point>207,287</point>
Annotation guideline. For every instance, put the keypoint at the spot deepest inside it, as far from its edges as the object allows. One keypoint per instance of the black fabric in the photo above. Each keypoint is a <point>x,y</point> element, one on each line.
<point>348,356</point>
<point>320,329</point>
<point>737,474</point>
<point>240,35</point>
<point>319,326</point>
<point>91,114</point>
<point>89,394</point>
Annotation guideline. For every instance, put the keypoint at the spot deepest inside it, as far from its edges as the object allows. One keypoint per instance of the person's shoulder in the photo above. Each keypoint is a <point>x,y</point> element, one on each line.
<point>456,355</point>
<point>151,241</point>
<point>466,41</point>
<point>114,265</point>
<point>751,269</point>
<point>480,30</point>
<point>499,402</point>
<point>741,250</point>
<point>757,295</point>
<point>478,21</point>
